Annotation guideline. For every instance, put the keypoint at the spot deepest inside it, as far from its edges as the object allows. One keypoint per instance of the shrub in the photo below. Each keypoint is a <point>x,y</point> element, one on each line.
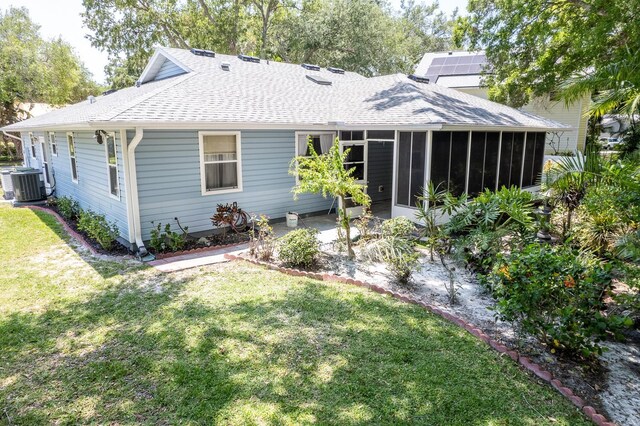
<point>398,227</point>
<point>397,253</point>
<point>68,208</point>
<point>98,228</point>
<point>263,243</point>
<point>167,240</point>
<point>556,295</point>
<point>299,248</point>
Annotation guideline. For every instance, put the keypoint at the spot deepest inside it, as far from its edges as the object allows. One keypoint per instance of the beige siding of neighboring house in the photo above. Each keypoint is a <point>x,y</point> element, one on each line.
<point>574,116</point>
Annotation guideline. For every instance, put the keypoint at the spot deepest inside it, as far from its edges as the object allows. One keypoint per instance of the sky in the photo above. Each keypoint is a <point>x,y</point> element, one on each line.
<point>62,18</point>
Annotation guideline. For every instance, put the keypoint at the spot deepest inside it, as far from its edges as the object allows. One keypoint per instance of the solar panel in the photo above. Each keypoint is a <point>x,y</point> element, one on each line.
<point>451,60</point>
<point>437,61</point>
<point>448,70</point>
<point>462,69</point>
<point>479,59</point>
<point>319,80</point>
<point>465,60</point>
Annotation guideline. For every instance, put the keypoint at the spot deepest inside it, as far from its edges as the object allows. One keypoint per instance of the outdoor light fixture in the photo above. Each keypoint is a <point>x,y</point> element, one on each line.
<point>100,136</point>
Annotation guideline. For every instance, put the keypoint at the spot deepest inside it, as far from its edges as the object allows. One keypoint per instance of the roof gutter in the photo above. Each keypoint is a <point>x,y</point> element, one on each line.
<point>132,196</point>
<point>11,136</point>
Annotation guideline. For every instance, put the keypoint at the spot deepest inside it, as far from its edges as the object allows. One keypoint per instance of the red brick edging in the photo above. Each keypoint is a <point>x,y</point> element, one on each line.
<point>525,362</point>
<point>83,242</point>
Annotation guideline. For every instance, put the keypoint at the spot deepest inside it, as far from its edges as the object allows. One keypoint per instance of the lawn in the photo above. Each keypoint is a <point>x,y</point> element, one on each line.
<point>90,341</point>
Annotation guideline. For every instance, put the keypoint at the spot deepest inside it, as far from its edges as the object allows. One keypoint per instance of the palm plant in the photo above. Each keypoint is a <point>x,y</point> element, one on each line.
<point>567,181</point>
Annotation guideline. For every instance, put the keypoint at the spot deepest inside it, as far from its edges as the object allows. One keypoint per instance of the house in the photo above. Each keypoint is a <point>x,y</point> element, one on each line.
<point>200,128</point>
<point>463,71</point>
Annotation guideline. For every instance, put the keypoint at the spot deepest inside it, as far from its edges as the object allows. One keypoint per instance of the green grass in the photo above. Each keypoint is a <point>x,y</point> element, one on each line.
<point>102,342</point>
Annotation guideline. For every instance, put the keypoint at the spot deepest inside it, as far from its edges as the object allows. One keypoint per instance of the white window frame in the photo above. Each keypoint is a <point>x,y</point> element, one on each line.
<point>238,161</point>
<point>33,139</point>
<point>334,135</point>
<point>74,156</point>
<point>53,143</point>
<point>106,153</point>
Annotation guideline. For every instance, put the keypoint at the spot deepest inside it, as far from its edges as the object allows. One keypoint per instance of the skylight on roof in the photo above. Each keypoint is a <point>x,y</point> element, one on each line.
<point>335,70</point>
<point>202,52</point>
<point>319,80</point>
<point>248,58</point>
<point>311,67</point>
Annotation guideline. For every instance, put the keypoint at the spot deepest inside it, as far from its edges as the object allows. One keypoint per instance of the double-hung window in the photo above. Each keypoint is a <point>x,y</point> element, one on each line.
<point>53,143</point>
<point>112,164</point>
<point>33,139</point>
<point>72,157</point>
<point>220,162</point>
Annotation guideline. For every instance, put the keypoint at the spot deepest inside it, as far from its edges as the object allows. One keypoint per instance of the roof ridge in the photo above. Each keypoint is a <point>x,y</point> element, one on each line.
<point>148,96</point>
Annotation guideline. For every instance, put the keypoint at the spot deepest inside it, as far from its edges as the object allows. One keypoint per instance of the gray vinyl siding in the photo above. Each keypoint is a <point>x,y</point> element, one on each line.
<point>380,170</point>
<point>168,174</point>
<point>92,189</point>
<point>168,69</point>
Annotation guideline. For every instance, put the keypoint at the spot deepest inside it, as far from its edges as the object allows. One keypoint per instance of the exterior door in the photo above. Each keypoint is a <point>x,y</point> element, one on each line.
<point>357,159</point>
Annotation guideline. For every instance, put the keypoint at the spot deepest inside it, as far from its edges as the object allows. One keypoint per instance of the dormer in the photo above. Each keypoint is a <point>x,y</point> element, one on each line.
<point>161,66</point>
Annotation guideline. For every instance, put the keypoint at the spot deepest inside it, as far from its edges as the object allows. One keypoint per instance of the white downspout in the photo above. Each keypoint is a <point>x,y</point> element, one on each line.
<point>133,191</point>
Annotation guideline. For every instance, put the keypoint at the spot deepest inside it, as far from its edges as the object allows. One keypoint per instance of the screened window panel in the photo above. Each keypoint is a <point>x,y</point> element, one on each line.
<point>538,157</point>
<point>505,160</point>
<point>491,160</point>
<point>529,154</point>
<point>458,162</point>
<point>221,175</point>
<point>440,155</point>
<point>381,134</point>
<point>476,162</point>
<point>516,159</point>
<point>404,168</point>
<point>345,135</point>
<point>418,154</point>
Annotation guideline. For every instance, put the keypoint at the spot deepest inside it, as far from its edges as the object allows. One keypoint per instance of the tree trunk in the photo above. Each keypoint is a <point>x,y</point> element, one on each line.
<point>344,221</point>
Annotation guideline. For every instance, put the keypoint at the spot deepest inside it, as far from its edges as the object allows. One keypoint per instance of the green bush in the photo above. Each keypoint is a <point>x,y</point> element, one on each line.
<point>167,240</point>
<point>299,248</point>
<point>98,228</point>
<point>557,295</point>
<point>397,253</point>
<point>492,223</point>
<point>398,227</point>
<point>68,208</point>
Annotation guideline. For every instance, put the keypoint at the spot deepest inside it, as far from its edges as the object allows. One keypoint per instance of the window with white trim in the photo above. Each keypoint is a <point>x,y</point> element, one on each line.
<point>220,162</point>
<point>33,140</point>
<point>112,164</point>
<point>72,157</point>
<point>53,144</point>
<point>321,142</point>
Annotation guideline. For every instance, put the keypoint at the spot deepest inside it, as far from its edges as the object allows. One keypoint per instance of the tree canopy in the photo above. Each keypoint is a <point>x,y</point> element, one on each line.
<point>36,70</point>
<point>569,47</point>
<point>359,35</point>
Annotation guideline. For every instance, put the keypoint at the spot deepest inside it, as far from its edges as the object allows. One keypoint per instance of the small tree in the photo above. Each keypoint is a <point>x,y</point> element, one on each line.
<point>325,174</point>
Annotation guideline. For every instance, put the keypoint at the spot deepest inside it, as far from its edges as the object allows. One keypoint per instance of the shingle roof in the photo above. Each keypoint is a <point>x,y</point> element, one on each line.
<point>280,94</point>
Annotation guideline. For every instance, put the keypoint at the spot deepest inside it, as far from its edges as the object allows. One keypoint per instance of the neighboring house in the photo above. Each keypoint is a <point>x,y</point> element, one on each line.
<point>463,71</point>
<point>202,128</point>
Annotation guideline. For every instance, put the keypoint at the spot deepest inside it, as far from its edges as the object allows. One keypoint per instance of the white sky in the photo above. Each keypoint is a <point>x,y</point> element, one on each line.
<point>62,18</point>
